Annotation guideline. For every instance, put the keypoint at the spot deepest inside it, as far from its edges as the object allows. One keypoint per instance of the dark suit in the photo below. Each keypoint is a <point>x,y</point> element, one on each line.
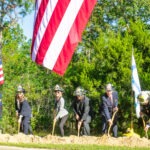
<point>107,112</point>
<point>145,109</point>
<point>82,109</point>
<point>25,111</point>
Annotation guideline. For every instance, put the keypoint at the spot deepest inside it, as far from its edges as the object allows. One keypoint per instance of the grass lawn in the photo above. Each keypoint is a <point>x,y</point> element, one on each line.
<point>73,147</point>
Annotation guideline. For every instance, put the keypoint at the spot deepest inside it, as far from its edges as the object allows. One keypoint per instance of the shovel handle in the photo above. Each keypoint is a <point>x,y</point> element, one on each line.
<point>19,127</point>
<point>79,127</point>
<point>144,127</point>
<point>54,123</point>
<point>112,122</point>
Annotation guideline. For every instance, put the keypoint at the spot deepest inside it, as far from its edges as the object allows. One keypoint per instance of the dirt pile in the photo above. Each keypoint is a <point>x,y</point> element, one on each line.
<point>103,140</point>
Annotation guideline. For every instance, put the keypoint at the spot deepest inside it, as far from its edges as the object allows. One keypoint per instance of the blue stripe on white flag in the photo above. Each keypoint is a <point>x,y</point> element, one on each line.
<point>135,86</point>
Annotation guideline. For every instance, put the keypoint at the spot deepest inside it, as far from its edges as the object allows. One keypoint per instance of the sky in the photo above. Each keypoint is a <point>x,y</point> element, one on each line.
<point>27,25</point>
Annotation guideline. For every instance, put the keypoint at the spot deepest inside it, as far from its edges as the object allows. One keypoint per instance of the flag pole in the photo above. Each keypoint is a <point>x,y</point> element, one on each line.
<point>136,88</point>
<point>132,104</point>
<point>132,97</point>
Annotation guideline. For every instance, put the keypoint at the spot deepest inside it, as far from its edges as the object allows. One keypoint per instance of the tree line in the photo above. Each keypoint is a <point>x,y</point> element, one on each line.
<point>103,56</point>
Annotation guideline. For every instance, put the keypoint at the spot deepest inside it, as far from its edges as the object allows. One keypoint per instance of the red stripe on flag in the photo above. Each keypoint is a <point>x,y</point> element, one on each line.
<point>74,36</point>
<point>1,74</point>
<point>51,29</point>
<point>1,82</point>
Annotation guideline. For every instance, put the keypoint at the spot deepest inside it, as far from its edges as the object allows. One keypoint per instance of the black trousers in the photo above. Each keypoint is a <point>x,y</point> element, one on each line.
<point>105,126</point>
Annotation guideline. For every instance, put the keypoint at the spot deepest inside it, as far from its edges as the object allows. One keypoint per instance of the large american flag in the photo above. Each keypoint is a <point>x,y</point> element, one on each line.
<point>1,73</point>
<point>58,27</point>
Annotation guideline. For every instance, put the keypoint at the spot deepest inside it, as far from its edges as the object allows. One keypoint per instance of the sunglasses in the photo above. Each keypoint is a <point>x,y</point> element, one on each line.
<point>57,91</point>
<point>109,90</point>
<point>19,92</point>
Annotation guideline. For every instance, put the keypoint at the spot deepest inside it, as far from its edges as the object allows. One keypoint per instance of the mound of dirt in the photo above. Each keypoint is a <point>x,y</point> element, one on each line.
<point>132,141</point>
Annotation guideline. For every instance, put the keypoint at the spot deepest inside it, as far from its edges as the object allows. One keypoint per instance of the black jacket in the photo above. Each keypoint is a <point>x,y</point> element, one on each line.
<point>145,109</point>
<point>82,108</point>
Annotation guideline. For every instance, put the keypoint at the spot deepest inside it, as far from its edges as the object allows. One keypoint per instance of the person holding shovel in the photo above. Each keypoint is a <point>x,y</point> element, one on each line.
<point>61,112</point>
<point>144,99</point>
<point>109,106</point>
<point>24,111</point>
<point>81,110</point>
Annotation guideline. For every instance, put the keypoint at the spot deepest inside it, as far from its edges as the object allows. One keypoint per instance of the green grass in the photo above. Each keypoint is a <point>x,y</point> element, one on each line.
<point>73,147</point>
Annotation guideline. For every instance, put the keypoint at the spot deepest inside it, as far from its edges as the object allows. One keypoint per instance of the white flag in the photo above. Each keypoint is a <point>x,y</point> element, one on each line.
<point>135,86</point>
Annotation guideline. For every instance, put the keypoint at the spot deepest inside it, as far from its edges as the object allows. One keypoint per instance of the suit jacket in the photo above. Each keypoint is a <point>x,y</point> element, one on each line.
<point>108,105</point>
<point>25,109</point>
<point>82,108</point>
<point>145,109</point>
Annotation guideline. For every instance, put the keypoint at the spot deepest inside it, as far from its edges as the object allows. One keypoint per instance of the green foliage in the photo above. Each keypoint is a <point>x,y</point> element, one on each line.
<point>104,55</point>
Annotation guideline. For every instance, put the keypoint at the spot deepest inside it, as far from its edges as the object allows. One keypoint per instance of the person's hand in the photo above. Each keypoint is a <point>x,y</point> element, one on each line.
<point>17,114</point>
<point>77,117</point>
<point>110,122</point>
<point>19,120</point>
<point>115,109</point>
<point>79,124</point>
<point>141,114</point>
<point>146,128</point>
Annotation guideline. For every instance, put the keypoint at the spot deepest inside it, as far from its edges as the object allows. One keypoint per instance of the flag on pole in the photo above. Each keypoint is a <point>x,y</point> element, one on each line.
<point>135,86</point>
<point>58,28</point>
<point>1,73</point>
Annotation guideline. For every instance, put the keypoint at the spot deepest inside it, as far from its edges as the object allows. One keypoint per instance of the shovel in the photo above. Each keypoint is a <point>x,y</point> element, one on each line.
<point>112,122</point>
<point>54,124</point>
<point>146,135</point>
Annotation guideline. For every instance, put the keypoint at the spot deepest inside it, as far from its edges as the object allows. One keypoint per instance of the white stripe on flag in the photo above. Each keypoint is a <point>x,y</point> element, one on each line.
<point>1,78</point>
<point>37,9</point>
<point>44,22</point>
<point>1,72</point>
<point>136,86</point>
<point>63,29</point>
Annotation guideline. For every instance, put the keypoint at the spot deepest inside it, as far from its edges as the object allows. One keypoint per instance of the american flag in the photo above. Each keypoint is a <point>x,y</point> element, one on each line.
<point>1,73</point>
<point>135,86</point>
<point>58,26</point>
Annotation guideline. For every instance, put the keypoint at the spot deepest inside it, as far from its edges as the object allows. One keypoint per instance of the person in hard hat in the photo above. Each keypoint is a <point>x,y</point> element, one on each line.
<point>17,102</point>
<point>24,110</point>
<point>81,110</point>
<point>108,106</point>
<point>144,99</point>
<point>61,112</point>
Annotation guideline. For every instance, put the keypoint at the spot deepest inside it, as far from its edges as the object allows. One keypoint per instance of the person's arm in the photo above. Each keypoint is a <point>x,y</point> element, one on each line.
<point>86,109</point>
<point>74,107</point>
<point>147,127</point>
<point>17,106</point>
<point>25,109</point>
<point>105,108</point>
<point>115,101</point>
<point>61,108</point>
